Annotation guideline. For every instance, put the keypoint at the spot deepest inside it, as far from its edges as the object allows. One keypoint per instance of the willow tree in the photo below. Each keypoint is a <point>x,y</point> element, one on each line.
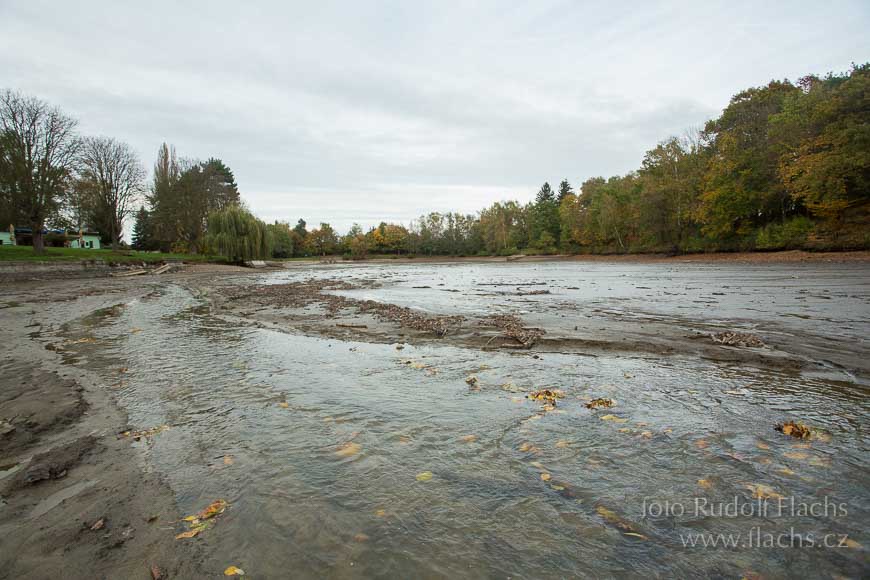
<point>233,232</point>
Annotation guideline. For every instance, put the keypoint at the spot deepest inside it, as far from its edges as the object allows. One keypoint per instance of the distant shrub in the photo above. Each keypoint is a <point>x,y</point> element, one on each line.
<point>791,234</point>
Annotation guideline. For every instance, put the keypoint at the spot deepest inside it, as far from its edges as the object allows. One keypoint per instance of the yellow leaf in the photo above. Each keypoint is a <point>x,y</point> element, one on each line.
<point>216,507</point>
<point>761,491</point>
<point>785,471</point>
<point>562,444</point>
<point>233,571</point>
<point>188,534</point>
<point>469,439</point>
<point>613,418</point>
<point>424,476</point>
<point>557,487</point>
<point>283,404</point>
<point>624,430</point>
<point>545,476</point>
<point>349,449</point>
<point>701,443</point>
<point>762,445</point>
<point>797,455</point>
<point>228,460</point>
<point>850,543</point>
<point>381,513</point>
<point>705,483</point>
<point>634,535</point>
<point>646,434</point>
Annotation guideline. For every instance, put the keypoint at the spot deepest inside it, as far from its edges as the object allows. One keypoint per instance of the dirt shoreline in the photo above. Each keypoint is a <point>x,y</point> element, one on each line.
<point>77,499</point>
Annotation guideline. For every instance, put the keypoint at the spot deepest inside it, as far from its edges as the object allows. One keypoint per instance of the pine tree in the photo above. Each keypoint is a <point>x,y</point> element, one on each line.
<point>143,234</point>
<point>564,189</point>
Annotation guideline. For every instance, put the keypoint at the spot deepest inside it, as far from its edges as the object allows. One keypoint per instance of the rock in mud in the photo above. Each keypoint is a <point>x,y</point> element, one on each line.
<point>54,463</point>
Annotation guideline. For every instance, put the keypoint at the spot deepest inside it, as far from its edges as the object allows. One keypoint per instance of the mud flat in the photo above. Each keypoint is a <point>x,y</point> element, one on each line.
<point>376,419</point>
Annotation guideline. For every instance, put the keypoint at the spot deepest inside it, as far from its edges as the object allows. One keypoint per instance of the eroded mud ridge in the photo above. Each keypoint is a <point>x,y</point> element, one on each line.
<point>320,292</point>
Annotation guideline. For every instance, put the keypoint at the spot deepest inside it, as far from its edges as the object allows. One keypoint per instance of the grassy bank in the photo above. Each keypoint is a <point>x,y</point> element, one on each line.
<point>25,254</point>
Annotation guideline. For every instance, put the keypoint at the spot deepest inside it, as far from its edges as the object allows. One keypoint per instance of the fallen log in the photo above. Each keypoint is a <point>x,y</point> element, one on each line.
<point>130,273</point>
<point>162,269</point>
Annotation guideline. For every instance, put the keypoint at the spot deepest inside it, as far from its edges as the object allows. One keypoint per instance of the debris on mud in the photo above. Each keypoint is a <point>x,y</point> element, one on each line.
<point>203,520</point>
<point>146,433</point>
<point>600,403</point>
<point>738,339</point>
<point>308,292</point>
<point>796,430</point>
<point>548,396</point>
<point>472,380</point>
<point>512,327</point>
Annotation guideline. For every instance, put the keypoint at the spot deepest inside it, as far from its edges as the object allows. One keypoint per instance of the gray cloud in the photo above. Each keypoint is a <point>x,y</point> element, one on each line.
<point>347,112</point>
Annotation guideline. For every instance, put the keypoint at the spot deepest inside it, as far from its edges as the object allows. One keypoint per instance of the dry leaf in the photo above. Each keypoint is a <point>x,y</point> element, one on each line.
<point>613,418</point>
<point>646,434</point>
<point>381,513</point>
<point>283,404</point>
<point>424,476</point>
<point>189,534</point>
<point>469,439</point>
<point>701,443</point>
<point>360,538</point>
<point>545,476</point>
<point>762,445</point>
<point>562,444</point>
<point>705,483</point>
<point>349,449</point>
<point>761,491</point>
<point>228,460</point>
<point>233,571</point>
<point>797,455</point>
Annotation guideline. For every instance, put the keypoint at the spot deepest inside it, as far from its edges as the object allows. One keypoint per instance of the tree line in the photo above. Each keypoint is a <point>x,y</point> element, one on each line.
<point>786,165</point>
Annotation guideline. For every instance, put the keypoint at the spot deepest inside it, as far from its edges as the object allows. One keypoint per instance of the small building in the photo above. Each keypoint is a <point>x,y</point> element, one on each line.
<point>90,240</point>
<point>6,239</point>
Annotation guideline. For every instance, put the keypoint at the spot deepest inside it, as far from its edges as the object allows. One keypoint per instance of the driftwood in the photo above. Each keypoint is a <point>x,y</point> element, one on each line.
<point>352,325</point>
<point>130,273</point>
<point>162,269</point>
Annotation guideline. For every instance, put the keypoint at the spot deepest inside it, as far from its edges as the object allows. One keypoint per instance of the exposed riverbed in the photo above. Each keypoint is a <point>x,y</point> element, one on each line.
<point>350,445</point>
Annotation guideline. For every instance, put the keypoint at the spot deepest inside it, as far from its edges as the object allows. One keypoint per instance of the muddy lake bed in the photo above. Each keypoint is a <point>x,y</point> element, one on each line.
<point>349,440</point>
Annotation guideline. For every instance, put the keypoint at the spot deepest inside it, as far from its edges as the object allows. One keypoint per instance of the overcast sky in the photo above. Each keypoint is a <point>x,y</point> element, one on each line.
<point>362,111</point>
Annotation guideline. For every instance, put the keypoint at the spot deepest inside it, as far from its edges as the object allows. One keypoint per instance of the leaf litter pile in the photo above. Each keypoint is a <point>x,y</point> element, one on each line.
<point>796,430</point>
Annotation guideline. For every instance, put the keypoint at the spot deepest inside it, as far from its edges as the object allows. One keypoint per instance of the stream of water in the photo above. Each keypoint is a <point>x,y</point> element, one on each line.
<point>319,444</point>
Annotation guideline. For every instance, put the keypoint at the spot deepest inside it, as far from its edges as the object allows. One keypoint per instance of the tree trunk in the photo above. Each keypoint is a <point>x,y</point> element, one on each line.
<point>38,240</point>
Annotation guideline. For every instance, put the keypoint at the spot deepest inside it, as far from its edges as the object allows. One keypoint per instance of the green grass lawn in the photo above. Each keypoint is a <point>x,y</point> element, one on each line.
<point>25,254</point>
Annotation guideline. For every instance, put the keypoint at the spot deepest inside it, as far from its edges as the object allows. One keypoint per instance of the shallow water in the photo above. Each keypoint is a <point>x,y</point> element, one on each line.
<point>257,416</point>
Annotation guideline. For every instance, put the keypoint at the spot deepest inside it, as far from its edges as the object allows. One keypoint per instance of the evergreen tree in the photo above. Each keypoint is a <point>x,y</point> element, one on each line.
<point>564,189</point>
<point>143,231</point>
